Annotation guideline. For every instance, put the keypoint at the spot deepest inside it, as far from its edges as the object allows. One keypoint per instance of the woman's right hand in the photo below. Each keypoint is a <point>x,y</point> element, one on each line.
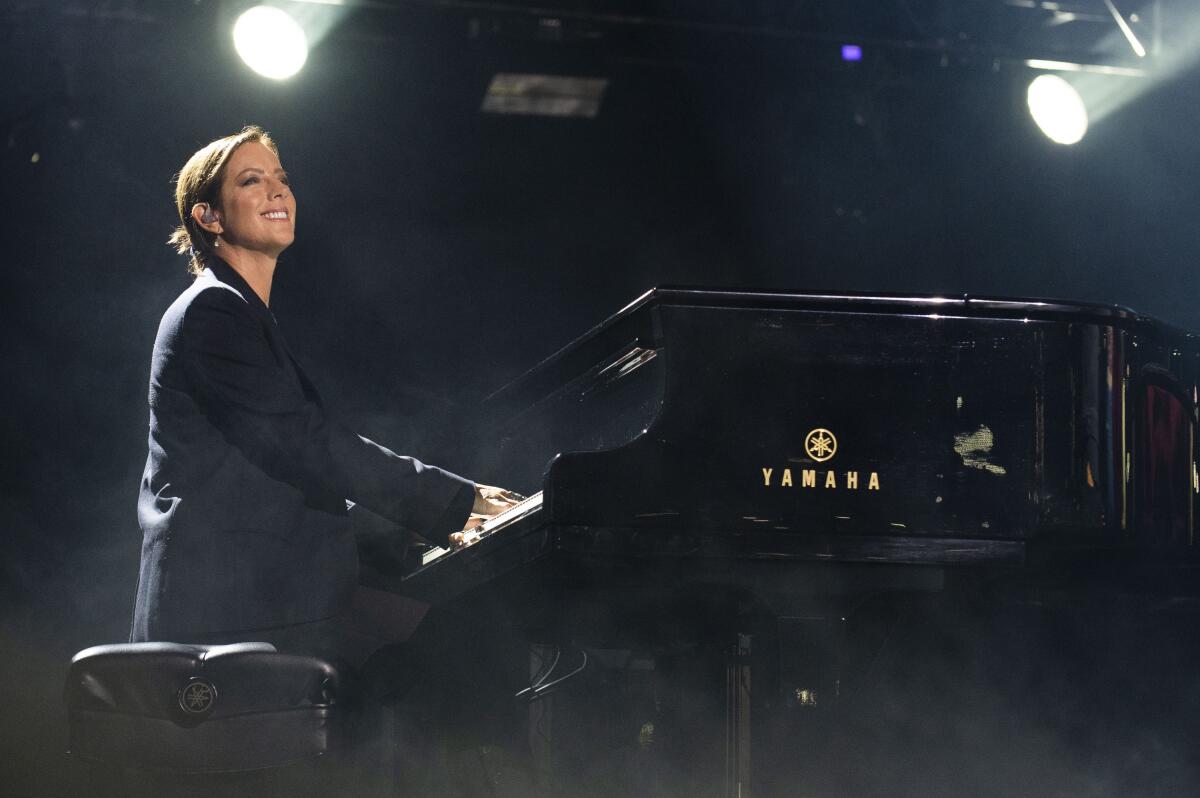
<point>489,501</point>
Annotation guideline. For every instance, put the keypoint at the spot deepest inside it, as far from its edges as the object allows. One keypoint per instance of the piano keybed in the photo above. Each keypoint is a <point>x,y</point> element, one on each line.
<point>489,527</point>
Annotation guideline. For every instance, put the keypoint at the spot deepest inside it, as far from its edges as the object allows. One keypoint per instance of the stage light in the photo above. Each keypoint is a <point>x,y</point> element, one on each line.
<point>851,52</point>
<point>270,41</point>
<point>1058,109</point>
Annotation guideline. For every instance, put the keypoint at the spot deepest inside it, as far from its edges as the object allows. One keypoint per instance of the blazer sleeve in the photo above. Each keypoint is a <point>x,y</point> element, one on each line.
<point>261,410</point>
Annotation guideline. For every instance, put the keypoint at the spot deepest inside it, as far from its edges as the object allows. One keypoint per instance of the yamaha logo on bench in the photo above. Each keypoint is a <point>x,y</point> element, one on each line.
<point>197,697</point>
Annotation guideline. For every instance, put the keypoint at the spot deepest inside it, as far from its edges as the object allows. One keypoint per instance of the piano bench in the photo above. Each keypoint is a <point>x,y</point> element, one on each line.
<point>162,716</point>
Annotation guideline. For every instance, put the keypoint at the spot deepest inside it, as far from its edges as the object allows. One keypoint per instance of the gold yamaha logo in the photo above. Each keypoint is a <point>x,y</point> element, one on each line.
<point>820,444</point>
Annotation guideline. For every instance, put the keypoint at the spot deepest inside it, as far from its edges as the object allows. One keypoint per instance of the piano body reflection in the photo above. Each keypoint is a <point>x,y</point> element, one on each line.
<point>796,467</point>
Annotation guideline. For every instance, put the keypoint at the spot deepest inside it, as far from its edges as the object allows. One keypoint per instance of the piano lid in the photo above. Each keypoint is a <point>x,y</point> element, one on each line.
<point>592,344</point>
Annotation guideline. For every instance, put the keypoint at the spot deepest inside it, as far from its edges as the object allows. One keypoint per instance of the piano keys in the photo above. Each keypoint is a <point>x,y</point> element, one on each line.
<point>488,527</point>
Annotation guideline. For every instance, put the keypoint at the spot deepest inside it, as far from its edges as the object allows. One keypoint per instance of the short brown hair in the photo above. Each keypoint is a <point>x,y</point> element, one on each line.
<point>200,181</point>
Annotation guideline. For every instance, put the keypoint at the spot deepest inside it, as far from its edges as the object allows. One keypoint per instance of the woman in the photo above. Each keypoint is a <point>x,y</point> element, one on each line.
<point>243,501</point>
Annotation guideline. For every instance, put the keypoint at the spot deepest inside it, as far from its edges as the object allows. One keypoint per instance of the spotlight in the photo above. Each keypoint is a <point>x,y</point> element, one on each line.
<point>270,41</point>
<point>1057,108</point>
<point>851,52</point>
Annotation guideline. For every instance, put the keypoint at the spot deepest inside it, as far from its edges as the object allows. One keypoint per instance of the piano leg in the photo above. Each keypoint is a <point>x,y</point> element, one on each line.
<point>541,715</point>
<point>738,716</point>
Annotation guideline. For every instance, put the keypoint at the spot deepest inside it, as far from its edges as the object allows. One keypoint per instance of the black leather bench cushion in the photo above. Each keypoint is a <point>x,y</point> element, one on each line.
<point>195,708</point>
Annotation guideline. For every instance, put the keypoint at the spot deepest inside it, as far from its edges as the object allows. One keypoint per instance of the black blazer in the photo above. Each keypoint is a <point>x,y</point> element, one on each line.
<point>243,502</point>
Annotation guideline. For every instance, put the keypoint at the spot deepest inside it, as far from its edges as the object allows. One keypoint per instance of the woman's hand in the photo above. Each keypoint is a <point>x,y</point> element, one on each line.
<point>489,501</point>
<point>466,537</point>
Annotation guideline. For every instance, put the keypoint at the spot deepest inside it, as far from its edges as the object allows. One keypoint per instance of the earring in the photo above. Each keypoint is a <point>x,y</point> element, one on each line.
<point>216,242</point>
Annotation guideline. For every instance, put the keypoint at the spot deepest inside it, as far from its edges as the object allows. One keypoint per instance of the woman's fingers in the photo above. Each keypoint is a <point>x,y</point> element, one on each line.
<point>464,538</point>
<point>491,500</point>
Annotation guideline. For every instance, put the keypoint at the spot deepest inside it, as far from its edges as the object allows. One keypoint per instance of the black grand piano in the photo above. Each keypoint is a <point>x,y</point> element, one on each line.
<point>788,479</point>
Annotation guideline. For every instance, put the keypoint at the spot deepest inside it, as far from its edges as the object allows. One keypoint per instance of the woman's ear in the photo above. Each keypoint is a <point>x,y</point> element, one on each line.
<point>207,217</point>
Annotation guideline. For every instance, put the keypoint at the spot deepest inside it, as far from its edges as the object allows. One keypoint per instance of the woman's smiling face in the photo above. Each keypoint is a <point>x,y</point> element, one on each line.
<point>258,210</point>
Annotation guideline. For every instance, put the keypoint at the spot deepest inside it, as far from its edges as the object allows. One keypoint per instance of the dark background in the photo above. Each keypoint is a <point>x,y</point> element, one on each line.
<point>442,251</point>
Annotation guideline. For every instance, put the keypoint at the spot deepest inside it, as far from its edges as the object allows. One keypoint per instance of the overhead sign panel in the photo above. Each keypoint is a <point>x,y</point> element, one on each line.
<point>544,95</point>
